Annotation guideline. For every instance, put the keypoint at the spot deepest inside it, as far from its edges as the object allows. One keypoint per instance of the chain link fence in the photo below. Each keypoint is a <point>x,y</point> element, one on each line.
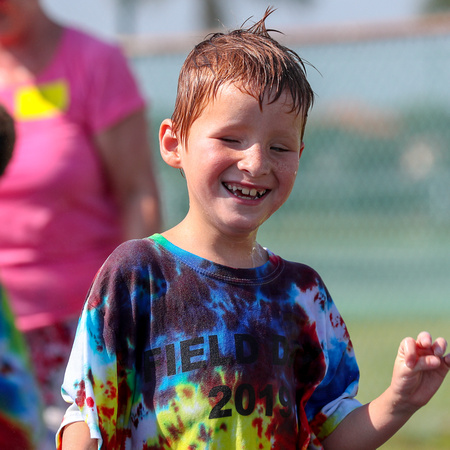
<point>371,206</point>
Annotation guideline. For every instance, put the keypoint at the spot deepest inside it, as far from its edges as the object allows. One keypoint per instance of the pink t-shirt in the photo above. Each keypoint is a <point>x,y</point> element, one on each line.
<point>58,220</point>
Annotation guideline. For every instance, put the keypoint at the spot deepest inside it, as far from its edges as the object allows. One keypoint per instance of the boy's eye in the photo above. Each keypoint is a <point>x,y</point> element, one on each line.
<point>280,149</point>
<point>227,139</point>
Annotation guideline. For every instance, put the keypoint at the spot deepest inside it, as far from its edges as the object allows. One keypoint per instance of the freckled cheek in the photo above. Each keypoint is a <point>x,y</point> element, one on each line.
<point>287,169</point>
<point>286,175</point>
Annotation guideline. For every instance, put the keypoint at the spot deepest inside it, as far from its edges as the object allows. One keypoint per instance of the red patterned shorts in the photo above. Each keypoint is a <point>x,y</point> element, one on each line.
<point>49,351</point>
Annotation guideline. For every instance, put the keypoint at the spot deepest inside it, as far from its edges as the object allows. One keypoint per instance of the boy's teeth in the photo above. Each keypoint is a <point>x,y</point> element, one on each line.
<point>246,191</point>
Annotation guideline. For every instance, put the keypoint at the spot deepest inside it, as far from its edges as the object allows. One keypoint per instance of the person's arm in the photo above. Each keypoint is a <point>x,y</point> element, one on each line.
<point>419,370</point>
<point>76,436</point>
<point>128,160</point>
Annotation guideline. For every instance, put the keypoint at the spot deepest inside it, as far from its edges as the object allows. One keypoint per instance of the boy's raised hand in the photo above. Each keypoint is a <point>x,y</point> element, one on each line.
<point>419,370</point>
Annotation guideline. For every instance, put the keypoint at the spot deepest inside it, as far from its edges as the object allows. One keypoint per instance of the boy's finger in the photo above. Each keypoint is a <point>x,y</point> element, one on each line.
<point>439,346</point>
<point>425,363</point>
<point>447,360</point>
<point>409,346</point>
<point>424,339</point>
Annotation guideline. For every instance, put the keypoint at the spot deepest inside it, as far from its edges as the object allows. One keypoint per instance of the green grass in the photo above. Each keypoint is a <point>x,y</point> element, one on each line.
<point>376,343</point>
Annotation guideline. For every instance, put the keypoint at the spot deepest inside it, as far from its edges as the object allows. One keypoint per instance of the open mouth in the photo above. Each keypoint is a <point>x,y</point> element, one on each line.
<point>243,192</point>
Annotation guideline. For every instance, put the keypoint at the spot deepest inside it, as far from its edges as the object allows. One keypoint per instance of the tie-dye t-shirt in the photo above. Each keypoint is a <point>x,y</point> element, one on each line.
<point>174,351</point>
<point>21,425</point>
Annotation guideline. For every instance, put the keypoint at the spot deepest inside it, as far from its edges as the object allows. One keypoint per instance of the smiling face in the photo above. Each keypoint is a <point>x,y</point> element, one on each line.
<point>240,161</point>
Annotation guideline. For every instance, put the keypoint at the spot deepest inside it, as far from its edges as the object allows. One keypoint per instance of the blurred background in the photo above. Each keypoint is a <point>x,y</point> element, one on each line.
<point>371,207</point>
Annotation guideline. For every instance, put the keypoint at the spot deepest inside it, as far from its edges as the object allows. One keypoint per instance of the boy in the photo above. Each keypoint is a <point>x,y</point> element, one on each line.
<point>20,420</point>
<point>200,337</point>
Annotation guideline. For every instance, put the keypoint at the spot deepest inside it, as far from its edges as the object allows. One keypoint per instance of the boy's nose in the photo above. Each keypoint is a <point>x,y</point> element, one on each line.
<point>253,160</point>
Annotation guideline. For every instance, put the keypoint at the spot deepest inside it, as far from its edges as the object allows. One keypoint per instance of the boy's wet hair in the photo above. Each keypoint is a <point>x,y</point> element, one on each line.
<point>249,58</point>
<point>7,138</point>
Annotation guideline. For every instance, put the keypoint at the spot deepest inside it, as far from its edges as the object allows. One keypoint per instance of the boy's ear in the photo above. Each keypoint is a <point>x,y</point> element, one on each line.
<point>169,144</point>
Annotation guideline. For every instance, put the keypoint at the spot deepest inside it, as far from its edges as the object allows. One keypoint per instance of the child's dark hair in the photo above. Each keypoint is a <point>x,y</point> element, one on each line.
<point>7,138</point>
<point>251,58</point>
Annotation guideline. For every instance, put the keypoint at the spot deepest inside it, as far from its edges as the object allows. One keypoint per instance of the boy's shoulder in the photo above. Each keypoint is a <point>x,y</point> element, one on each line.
<point>147,253</point>
<point>308,274</point>
<point>133,251</point>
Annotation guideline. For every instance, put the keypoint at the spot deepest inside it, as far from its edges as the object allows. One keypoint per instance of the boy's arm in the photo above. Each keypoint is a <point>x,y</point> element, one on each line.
<point>76,436</point>
<point>419,370</point>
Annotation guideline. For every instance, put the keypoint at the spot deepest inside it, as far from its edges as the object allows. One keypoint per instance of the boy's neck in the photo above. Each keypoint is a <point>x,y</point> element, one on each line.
<point>231,251</point>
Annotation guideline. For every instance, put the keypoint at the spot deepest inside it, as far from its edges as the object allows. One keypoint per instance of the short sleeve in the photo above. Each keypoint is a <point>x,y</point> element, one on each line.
<point>72,415</point>
<point>100,376</point>
<point>86,359</point>
<point>112,93</point>
<point>334,397</point>
<point>91,381</point>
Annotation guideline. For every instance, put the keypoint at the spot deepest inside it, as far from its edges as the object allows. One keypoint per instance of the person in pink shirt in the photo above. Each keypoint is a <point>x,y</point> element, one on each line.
<point>21,424</point>
<point>81,180</point>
